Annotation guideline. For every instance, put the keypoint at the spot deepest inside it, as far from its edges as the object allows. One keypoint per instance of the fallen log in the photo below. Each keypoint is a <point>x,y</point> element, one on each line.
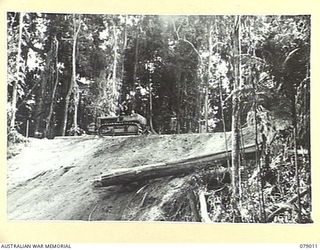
<point>203,208</point>
<point>158,170</point>
<point>148,172</point>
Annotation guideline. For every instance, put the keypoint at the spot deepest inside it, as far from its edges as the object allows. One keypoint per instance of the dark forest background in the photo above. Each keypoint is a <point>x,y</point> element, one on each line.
<point>65,70</point>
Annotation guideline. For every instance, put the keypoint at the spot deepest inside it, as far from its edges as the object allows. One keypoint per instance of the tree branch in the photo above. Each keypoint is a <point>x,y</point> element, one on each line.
<point>29,93</point>
<point>175,29</point>
<point>185,40</point>
<point>203,208</point>
<point>281,209</point>
<point>290,55</point>
<point>193,47</point>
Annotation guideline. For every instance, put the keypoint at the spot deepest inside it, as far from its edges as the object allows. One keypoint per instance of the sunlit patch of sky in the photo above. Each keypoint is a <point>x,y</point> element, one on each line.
<point>34,61</point>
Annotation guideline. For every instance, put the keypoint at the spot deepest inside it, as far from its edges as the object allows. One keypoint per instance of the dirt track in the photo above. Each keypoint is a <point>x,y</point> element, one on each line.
<point>52,179</point>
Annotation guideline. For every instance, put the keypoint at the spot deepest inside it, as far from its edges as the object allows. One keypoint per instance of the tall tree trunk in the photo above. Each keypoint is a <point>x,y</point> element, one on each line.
<point>125,41</point>
<point>66,107</point>
<point>114,70</point>
<point>135,69</point>
<point>178,129</point>
<point>198,115</point>
<point>124,47</point>
<point>257,158</point>
<point>40,128</point>
<point>235,154</point>
<point>136,57</point>
<point>206,102</point>
<point>76,93</point>
<point>150,108</point>
<point>223,123</point>
<point>296,163</point>
<point>16,82</point>
<point>209,28</point>
<point>48,119</point>
<point>76,98</point>
<point>73,88</point>
<point>40,104</point>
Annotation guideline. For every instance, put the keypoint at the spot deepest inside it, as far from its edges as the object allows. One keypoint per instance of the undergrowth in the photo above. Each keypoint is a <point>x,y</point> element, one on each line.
<point>270,196</point>
<point>15,142</point>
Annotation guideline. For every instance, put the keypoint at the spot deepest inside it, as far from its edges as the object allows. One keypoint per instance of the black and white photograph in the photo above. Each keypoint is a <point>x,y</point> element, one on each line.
<point>169,118</point>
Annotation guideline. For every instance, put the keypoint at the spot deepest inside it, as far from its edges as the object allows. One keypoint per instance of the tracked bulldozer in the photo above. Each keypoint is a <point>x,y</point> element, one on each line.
<point>134,124</point>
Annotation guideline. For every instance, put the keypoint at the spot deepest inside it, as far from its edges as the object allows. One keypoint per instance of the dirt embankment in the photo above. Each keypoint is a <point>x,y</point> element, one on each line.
<point>52,179</point>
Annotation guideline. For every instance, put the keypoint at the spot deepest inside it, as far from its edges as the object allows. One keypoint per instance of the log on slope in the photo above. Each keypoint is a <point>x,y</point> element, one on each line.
<point>172,168</point>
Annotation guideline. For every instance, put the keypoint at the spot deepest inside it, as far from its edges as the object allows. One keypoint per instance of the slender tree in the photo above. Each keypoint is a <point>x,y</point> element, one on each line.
<point>54,90</point>
<point>124,47</point>
<point>18,77</point>
<point>73,87</point>
<point>210,64</point>
<point>235,158</point>
<point>115,61</point>
<point>46,77</point>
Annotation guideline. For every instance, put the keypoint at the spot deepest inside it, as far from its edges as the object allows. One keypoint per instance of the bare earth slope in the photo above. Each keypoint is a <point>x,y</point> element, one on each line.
<point>52,179</point>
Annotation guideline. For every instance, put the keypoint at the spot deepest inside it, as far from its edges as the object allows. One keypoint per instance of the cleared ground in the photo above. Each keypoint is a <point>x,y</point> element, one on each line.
<point>52,179</point>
